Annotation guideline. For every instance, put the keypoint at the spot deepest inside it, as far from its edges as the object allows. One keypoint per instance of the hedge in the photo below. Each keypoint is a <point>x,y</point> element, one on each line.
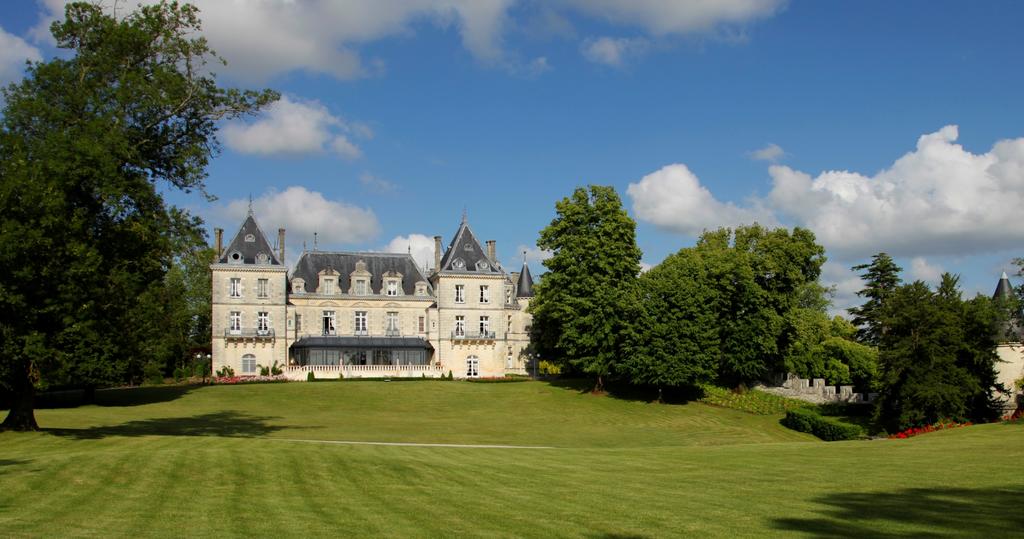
<point>826,428</point>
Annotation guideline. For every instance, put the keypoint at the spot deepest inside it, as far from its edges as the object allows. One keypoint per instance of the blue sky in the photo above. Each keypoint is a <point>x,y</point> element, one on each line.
<point>891,126</point>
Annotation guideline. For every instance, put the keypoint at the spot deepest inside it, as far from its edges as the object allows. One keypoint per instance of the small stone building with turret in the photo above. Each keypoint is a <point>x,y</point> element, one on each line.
<point>368,314</point>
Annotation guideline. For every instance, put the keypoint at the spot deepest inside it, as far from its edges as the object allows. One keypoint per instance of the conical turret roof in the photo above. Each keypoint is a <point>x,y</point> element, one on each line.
<point>524,289</point>
<point>1003,289</point>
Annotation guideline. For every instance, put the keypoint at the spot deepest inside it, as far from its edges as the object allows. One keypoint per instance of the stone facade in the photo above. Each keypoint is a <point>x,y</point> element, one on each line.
<point>367,314</point>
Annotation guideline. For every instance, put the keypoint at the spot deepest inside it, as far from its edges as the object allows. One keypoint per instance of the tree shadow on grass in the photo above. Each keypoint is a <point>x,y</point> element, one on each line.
<point>120,396</point>
<point>630,392</point>
<point>224,424</point>
<point>932,512</point>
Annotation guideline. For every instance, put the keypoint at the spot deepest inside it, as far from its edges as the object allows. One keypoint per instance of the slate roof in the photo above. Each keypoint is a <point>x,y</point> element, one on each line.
<point>466,249</point>
<point>312,262</point>
<point>1003,290</point>
<point>524,289</point>
<point>247,251</point>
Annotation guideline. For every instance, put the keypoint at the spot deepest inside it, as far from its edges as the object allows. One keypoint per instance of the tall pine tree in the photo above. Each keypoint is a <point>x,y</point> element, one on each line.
<point>881,278</point>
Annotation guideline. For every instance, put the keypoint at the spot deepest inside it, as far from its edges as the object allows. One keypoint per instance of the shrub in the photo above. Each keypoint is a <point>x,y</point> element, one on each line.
<point>275,369</point>
<point>153,373</point>
<point>826,428</point>
<point>547,367</point>
<point>201,368</point>
<point>264,371</point>
<point>310,377</point>
<point>225,371</point>
<point>450,375</point>
<point>181,373</point>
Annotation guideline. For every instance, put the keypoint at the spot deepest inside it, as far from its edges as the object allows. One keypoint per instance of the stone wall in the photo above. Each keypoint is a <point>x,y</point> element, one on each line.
<point>815,390</point>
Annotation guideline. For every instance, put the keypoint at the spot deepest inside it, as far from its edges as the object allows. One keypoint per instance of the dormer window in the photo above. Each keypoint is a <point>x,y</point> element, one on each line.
<point>421,289</point>
<point>482,265</point>
<point>298,286</point>
<point>360,287</point>
<point>328,288</point>
<point>249,238</point>
<point>235,257</point>
<point>392,289</point>
<point>262,258</point>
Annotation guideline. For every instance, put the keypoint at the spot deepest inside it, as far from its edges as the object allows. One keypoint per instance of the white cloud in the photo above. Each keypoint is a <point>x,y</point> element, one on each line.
<point>937,199</point>
<point>265,38</point>
<point>420,246</point>
<point>673,199</point>
<point>921,270</point>
<point>14,51</point>
<point>262,39</point>
<point>378,185</point>
<point>662,18</point>
<point>302,213</point>
<point>293,127</point>
<point>772,153</point>
<point>532,254</point>
<point>613,51</point>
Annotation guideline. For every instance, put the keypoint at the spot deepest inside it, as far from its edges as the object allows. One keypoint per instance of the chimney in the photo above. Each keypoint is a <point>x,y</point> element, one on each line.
<point>218,233</point>
<point>280,243</point>
<point>437,253</point>
<point>492,250</point>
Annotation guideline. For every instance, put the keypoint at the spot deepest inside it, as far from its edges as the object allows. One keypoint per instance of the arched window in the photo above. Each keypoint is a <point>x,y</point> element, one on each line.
<point>248,364</point>
<point>472,367</point>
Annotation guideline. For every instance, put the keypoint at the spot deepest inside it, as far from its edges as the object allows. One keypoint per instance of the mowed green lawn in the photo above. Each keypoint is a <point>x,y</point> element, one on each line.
<point>249,461</point>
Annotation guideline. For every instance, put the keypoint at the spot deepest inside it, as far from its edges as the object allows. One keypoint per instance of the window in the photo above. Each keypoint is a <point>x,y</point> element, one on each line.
<point>421,290</point>
<point>392,288</point>
<point>329,286</point>
<point>248,364</point>
<point>508,296</point>
<point>472,367</point>
<point>263,322</point>
<point>262,288</point>
<point>262,258</point>
<point>485,294</point>
<point>485,325</point>
<point>460,326</point>
<point>236,322</point>
<point>392,323</point>
<point>298,322</point>
<point>328,320</point>
<point>460,293</point>
<point>360,287</point>
<point>235,289</point>
<point>249,238</point>
<point>360,328</point>
<point>423,324</point>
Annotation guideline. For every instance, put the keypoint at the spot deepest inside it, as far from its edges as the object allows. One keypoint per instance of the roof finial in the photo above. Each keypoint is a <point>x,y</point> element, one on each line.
<point>250,204</point>
<point>314,241</point>
<point>303,246</point>
<point>465,215</point>
<point>524,257</point>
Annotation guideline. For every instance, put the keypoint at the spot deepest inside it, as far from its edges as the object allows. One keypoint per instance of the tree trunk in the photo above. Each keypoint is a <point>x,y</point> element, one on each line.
<point>599,386</point>
<point>22,415</point>
<point>660,399</point>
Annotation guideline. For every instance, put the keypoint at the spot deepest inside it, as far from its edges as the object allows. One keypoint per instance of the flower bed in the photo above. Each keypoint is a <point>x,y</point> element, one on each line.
<point>917,431</point>
<point>231,380</point>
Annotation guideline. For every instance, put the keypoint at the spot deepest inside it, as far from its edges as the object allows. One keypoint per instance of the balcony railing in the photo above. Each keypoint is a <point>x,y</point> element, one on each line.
<point>249,333</point>
<point>478,335</point>
<point>392,333</point>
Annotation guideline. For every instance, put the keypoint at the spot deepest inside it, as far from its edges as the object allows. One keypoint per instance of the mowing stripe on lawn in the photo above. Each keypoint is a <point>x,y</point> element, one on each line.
<point>409,444</point>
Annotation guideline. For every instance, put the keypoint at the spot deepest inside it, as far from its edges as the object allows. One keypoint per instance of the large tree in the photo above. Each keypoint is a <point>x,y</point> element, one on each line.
<point>936,356</point>
<point>585,302</point>
<point>881,278</point>
<point>87,143</point>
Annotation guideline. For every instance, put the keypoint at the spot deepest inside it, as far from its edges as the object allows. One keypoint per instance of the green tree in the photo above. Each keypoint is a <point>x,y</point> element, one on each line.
<point>936,357</point>
<point>881,277</point>
<point>584,304</point>
<point>87,142</point>
<point>678,342</point>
